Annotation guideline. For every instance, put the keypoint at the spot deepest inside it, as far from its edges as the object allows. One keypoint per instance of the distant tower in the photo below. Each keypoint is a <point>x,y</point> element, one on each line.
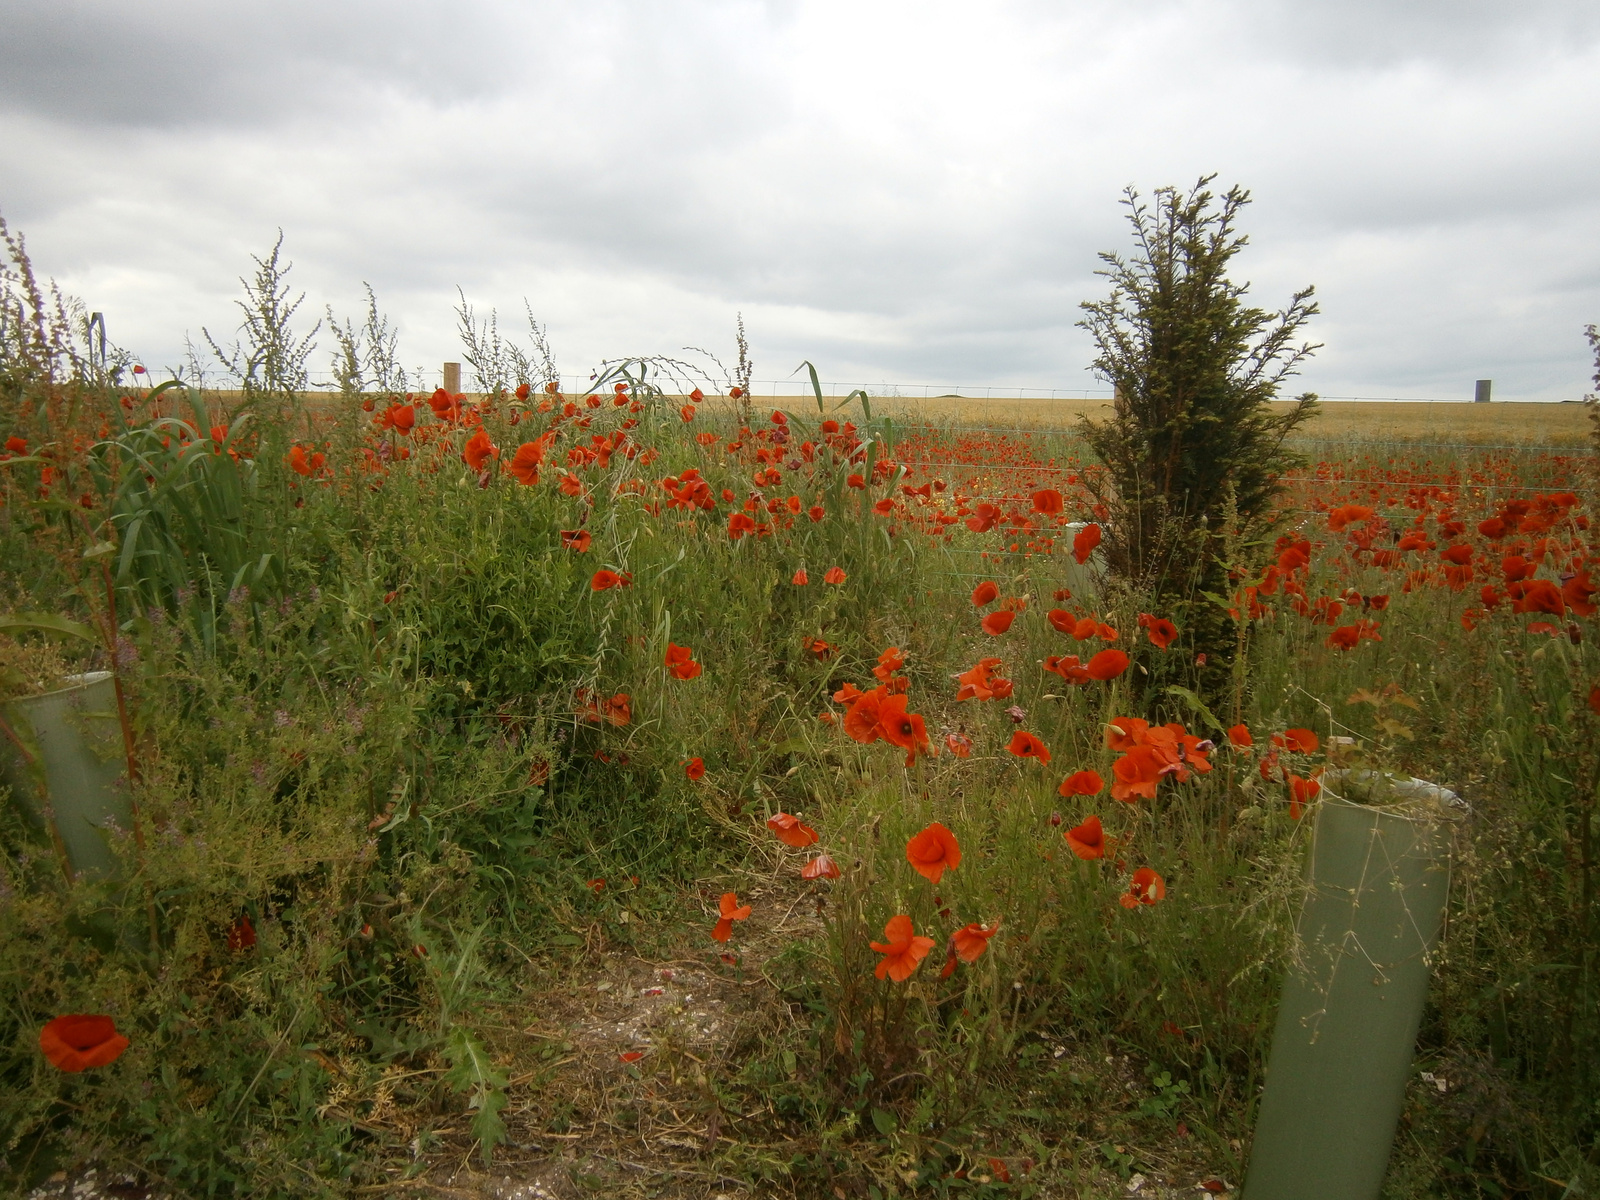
<point>1480,393</point>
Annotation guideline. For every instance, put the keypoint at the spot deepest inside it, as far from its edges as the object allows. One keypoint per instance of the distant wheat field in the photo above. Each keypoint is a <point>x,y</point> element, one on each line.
<point>1500,423</point>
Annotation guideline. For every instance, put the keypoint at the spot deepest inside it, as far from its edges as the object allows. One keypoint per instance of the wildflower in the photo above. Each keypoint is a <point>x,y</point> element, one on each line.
<point>800,578</point>
<point>903,729</point>
<point>1108,664</point>
<point>79,1041</point>
<point>241,934</point>
<point>820,867</point>
<point>997,623</point>
<point>861,721</point>
<point>633,1056</point>
<point>1239,737</point>
<point>1087,841</point>
<point>739,524</point>
<point>729,910</point>
<point>695,769</point>
<point>1136,774</point>
<point>687,412</point>
<point>1301,793</point>
<point>1146,887</point>
<point>1300,741</point>
<point>525,462</point>
<point>792,831</point>
<point>1061,621</point>
<point>17,445</point>
<point>1346,515</point>
<point>478,450</point>
<point>820,650</point>
<point>960,744</point>
<point>933,851</point>
<point>1084,543</point>
<point>619,709</point>
<point>1068,667</point>
<point>890,661</point>
<point>902,950</point>
<point>680,662</point>
<point>604,580</point>
<point>833,575</point>
<point>972,940</point>
<point>985,593</point>
<point>596,886</point>
<point>576,540</point>
<point>981,683</point>
<point>1161,632</point>
<point>816,513</point>
<point>1082,783</point>
<point>1047,501</point>
<point>1025,745</point>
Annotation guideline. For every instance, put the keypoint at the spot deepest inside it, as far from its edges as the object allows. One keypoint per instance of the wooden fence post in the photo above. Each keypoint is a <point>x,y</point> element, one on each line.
<point>452,378</point>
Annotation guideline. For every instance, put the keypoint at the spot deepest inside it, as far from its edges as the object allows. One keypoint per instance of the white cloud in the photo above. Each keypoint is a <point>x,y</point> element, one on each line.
<point>897,191</point>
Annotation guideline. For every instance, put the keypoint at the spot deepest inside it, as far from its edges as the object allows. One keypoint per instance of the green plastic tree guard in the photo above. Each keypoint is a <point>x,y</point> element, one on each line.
<point>69,776</point>
<point>1376,885</point>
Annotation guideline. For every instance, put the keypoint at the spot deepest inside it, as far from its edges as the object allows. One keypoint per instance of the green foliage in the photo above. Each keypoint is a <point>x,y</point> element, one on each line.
<point>1193,450</point>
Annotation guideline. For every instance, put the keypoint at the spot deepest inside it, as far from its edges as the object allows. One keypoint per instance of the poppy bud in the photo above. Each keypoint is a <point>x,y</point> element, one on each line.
<point>1055,819</point>
<point>366,931</point>
<point>1574,634</point>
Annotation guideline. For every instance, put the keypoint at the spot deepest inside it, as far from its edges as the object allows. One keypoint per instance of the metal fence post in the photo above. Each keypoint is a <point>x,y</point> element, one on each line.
<point>1480,393</point>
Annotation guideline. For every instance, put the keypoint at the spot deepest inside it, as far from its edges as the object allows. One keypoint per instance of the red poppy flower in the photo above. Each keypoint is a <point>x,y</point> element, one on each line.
<point>576,540</point>
<point>525,462</point>
<point>242,934</point>
<point>985,593</point>
<point>633,1056</point>
<point>833,575</point>
<point>478,450</point>
<point>933,851</point>
<point>800,578</point>
<point>1068,667</point>
<point>998,622</point>
<point>816,513</point>
<point>1136,774</point>
<point>1161,632</point>
<point>820,867</point>
<point>1594,699</point>
<point>1082,783</point>
<point>1108,664</point>
<point>861,721</point>
<point>1048,501</point>
<point>1300,741</point>
<point>79,1041</point>
<point>1146,887</point>
<point>687,412</point>
<point>1084,543</point>
<point>604,580</point>
<point>1062,621</point>
<point>1301,793</point>
<point>792,831</point>
<point>740,524</point>
<point>902,950</point>
<point>972,940</point>
<point>729,911</point>
<point>960,744</point>
<point>890,661</point>
<point>1346,515</point>
<point>984,517</point>
<point>1239,737</point>
<point>1025,745</point>
<point>680,662</point>
<point>17,445</point>
<point>903,729</point>
<point>619,709</point>
<point>1087,841</point>
<point>695,769</point>
<point>981,683</point>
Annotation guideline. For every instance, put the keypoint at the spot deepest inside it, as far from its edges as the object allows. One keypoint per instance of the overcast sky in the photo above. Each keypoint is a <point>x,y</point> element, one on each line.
<point>900,192</point>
